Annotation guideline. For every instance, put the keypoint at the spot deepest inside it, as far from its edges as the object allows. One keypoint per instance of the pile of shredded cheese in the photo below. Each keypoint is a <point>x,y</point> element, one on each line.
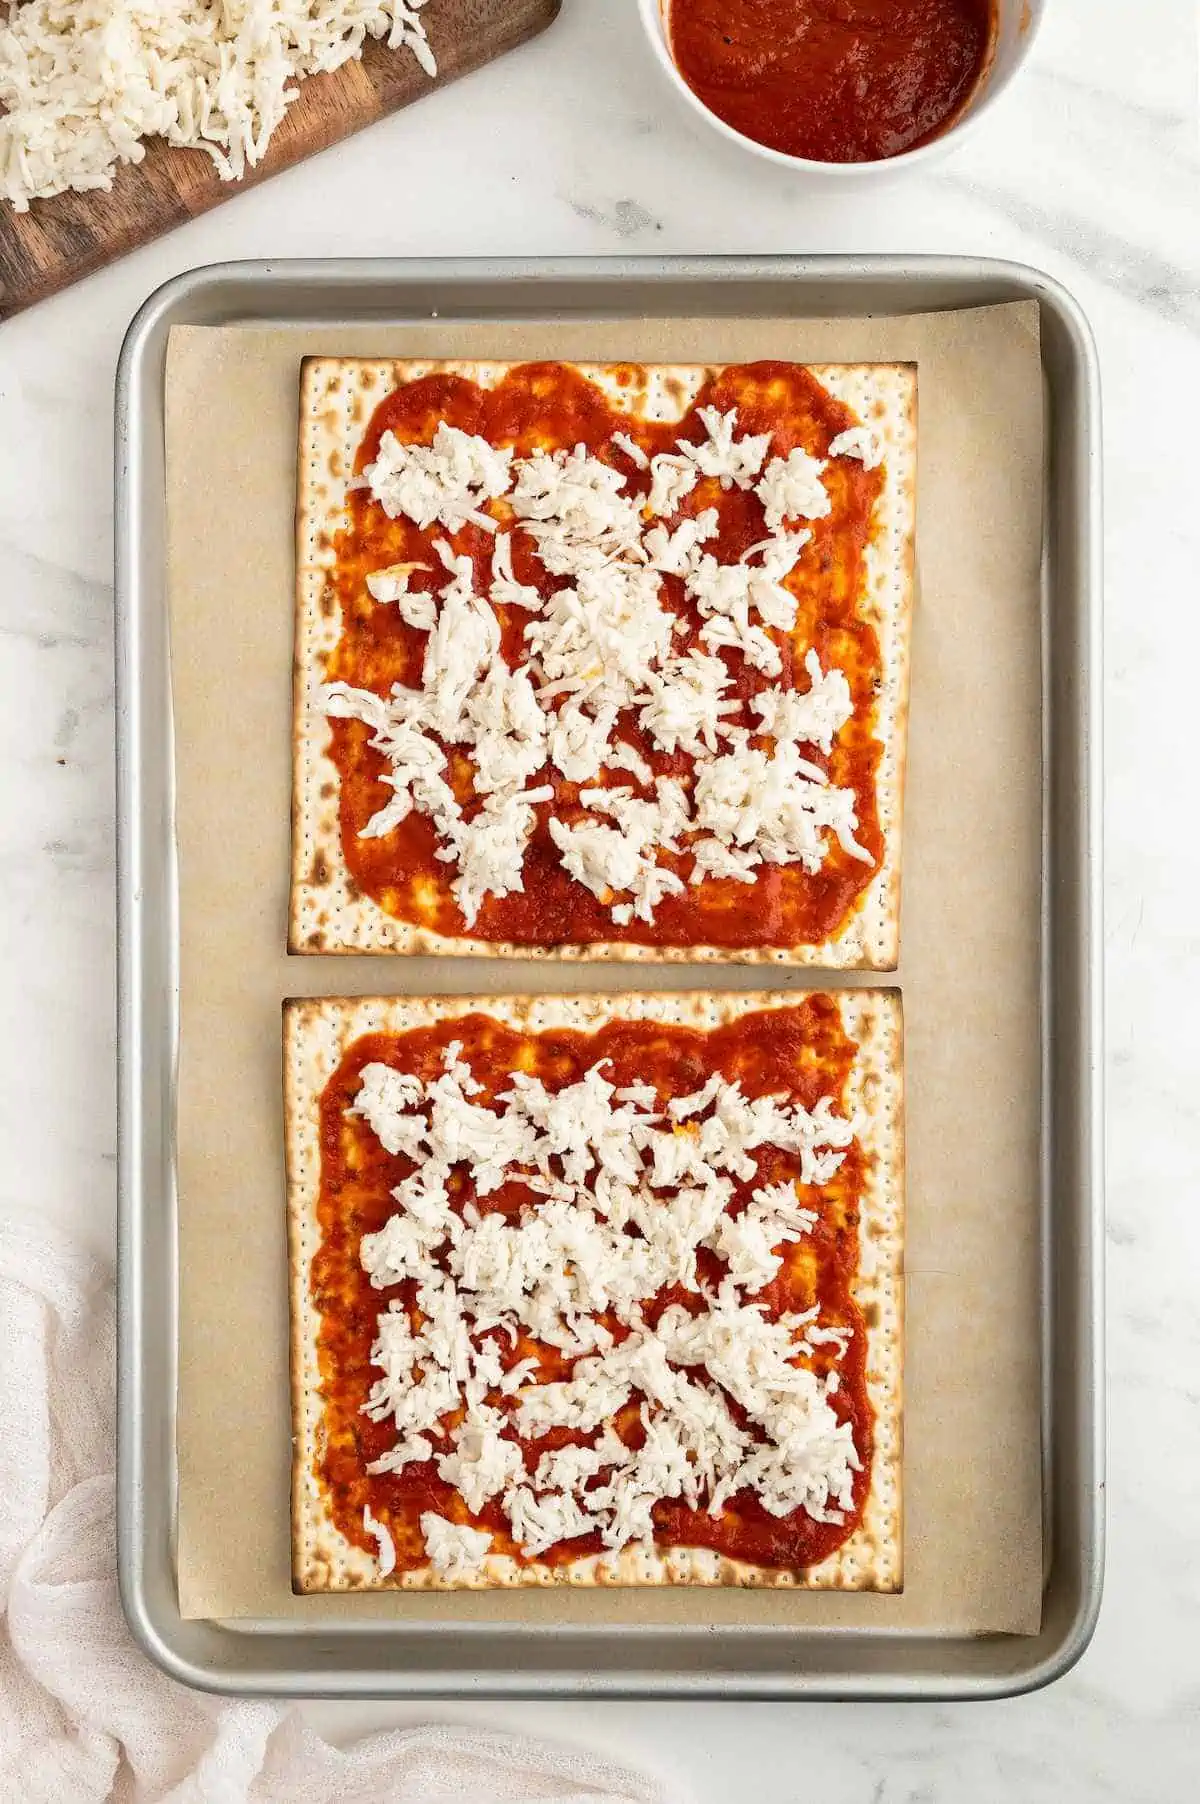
<point>84,82</point>
<point>622,1194</point>
<point>603,645</point>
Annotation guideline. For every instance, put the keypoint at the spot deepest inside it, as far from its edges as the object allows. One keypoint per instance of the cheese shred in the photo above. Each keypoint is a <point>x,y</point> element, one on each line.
<point>603,654</point>
<point>84,83</point>
<point>622,1197</point>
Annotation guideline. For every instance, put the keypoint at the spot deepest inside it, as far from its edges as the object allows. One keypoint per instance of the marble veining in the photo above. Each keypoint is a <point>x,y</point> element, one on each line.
<point>1090,170</point>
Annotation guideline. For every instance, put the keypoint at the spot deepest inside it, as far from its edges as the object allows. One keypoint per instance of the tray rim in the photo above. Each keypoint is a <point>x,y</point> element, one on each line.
<point>230,1663</point>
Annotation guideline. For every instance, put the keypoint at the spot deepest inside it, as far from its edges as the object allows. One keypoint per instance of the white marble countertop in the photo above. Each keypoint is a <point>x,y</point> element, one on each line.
<point>1089,169</point>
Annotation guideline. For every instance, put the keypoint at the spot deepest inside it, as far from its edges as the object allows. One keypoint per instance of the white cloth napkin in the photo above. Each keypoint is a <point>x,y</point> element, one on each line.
<point>83,1715</point>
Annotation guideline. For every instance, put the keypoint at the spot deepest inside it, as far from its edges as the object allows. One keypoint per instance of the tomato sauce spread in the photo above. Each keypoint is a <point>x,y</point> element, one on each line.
<point>802,1052</point>
<point>553,406</point>
<point>837,81</point>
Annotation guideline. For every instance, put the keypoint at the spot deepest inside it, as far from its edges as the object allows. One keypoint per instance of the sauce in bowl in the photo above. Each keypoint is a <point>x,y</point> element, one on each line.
<point>835,81</point>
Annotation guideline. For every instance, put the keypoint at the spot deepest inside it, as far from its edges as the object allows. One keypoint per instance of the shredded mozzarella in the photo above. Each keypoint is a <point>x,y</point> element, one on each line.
<point>672,479</point>
<point>571,503</point>
<point>383,1540</point>
<point>729,459</point>
<point>446,483</point>
<point>791,488</point>
<point>779,805</point>
<point>607,860</point>
<point>601,648</point>
<point>623,756</point>
<point>384,1099</point>
<point>632,450</point>
<point>779,552</point>
<point>505,588</point>
<point>83,83</point>
<point>455,1550</point>
<point>391,585</point>
<point>538,1522</point>
<point>578,742</point>
<point>623,1197</point>
<point>507,729</point>
<point>602,637</point>
<point>714,859</point>
<point>416,761</point>
<point>483,1462</point>
<point>490,848</point>
<point>860,442</point>
<point>734,589</point>
<point>674,553</point>
<point>600,858</point>
<point>685,705</point>
<point>813,715</point>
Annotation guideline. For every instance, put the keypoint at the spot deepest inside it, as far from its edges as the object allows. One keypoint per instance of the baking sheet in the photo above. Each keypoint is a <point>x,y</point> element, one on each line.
<point>969,970</point>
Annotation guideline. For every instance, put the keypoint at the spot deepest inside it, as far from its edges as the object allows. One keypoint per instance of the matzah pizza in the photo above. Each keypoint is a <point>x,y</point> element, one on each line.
<point>602,660</point>
<point>596,1290</point>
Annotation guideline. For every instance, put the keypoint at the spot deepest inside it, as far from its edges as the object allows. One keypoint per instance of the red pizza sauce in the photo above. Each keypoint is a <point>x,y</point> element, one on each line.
<point>802,1052</point>
<point>552,406</point>
<point>837,81</point>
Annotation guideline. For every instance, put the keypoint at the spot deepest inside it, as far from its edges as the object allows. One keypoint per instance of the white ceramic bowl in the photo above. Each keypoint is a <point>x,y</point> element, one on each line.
<point>1018,27</point>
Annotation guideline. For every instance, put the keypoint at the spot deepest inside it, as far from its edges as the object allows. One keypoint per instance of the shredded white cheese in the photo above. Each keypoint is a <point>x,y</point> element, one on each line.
<point>685,706</point>
<point>391,585</point>
<point>600,638</point>
<point>505,588</point>
<point>623,756</point>
<point>383,1540</point>
<point>622,1197</point>
<point>778,553</point>
<point>860,442</point>
<point>572,505</point>
<point>416,761</point>
<point>83,83</point>
<point>672,479</point>
<point>490,848</point>
<point>778,806</point>
<point>605,861</point>
<point>791,489</point>
<point>725,456</point>
<point>446,483</point>
<point>455,1550</point>
<point>814,715</point>
<point>507,728</point>
<point>714,859</point>
<point>603,649</point>
<point>674,552</point>
<point>735,589</point>
<point>632,450</point>
<point>483,1462</point>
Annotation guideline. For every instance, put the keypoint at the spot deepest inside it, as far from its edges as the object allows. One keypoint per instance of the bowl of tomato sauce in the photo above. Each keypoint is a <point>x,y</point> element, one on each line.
<point>841,86</point>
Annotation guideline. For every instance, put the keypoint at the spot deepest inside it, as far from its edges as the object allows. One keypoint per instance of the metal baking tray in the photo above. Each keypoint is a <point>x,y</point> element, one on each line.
<point>427,1660</point>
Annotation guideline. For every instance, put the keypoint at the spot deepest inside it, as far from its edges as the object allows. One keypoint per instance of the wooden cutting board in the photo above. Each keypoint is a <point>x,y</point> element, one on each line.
<point>71,235</point>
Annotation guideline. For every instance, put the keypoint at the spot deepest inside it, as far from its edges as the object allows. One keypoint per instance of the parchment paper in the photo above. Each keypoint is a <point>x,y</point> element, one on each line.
<point>973,1541</point>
